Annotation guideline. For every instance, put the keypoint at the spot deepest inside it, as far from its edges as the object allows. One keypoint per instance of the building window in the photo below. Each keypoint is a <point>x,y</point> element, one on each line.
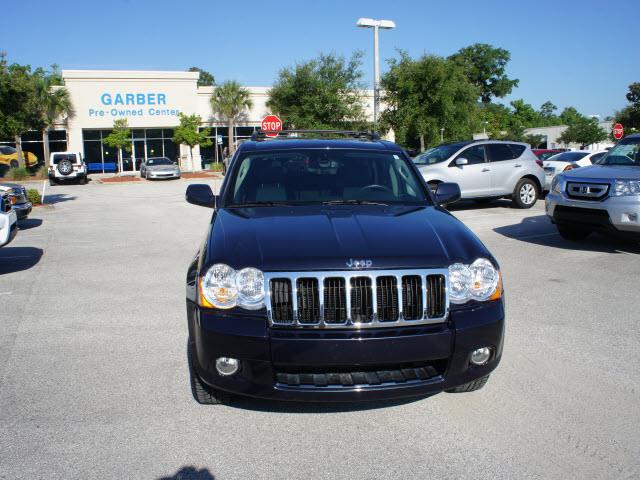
<point>32,142</point>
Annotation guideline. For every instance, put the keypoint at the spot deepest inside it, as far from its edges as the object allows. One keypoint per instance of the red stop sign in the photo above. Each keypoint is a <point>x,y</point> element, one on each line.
<point>271,123</point>
<point>618,131</point>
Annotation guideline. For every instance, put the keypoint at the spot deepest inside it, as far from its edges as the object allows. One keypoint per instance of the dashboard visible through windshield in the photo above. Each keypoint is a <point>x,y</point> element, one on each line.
<point>324,176</point>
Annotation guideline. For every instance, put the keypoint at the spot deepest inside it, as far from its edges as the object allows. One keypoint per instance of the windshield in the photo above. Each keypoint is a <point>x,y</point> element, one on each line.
<point>7,150</point>
<point>568,157</point>
<point>323,176</point>
<point>438,154</point>
<point>627,152</point>
<point>159,161</point>
<point>58,157</point>
<point>546,155</point>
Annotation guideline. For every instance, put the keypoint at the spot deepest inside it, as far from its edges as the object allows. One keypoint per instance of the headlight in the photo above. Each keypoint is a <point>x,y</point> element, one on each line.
<point>480,281</point>
<point>250,285</point>
<point>223,287</point>
<point>557,184</point>
<point>626,187</point>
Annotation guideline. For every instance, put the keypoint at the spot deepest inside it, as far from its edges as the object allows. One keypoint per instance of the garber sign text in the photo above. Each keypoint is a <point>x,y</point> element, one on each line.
<point>130,104</point>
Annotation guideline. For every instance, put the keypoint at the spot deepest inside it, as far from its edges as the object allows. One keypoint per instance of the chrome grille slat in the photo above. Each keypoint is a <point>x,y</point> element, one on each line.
<point>330,304</point>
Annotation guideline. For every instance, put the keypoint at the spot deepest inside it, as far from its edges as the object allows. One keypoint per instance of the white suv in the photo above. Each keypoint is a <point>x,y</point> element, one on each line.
<point>8,220</point>
<point>64,166</point>
<point>485,170</point>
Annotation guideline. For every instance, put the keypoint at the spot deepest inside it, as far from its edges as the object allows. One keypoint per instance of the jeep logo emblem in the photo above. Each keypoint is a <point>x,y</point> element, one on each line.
<point>359,263</point>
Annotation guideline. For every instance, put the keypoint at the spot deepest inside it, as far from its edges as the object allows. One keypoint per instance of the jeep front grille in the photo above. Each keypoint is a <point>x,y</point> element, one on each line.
<point>356,299</point>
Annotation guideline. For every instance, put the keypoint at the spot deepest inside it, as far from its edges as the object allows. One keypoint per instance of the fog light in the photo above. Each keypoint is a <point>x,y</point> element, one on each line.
<point>227,366</point>
<point>480,356</point>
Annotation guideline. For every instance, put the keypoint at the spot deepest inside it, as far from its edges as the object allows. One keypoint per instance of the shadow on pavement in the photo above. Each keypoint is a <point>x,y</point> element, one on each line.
<point>539,230</point>
<point>17,259</point>
<point>190,473</point>
<point>52,198</point>
<point>473,205</point>
<point>28,223</point>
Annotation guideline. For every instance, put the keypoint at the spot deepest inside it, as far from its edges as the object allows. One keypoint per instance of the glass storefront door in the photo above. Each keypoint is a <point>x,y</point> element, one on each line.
<point>138,153</point>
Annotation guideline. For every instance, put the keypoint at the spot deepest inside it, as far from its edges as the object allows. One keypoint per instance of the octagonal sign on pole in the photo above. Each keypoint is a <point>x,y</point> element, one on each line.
<point>271,123</point>
<point>618,131</point>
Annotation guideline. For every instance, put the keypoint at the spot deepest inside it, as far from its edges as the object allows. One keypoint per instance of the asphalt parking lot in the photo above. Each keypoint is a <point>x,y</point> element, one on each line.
<point>94,381</point>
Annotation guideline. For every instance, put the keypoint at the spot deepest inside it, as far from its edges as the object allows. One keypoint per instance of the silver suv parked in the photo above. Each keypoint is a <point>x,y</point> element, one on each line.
<point>485,170</point>
<point>603,197</point>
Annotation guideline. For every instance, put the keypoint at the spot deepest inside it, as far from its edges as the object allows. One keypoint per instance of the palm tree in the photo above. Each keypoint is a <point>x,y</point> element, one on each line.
<point>230,100</point>
<point>55,102</point>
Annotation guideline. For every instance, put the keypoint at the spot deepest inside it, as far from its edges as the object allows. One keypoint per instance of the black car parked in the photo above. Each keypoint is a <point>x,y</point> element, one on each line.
<point>330,272</point>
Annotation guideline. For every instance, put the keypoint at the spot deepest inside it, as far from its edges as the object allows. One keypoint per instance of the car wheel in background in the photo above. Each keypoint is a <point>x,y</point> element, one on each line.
<point>471,386</point>
<point>572,233</point>
<point>201,392</point>
<point>525,194</point>
<point>83,180</point>
<point>14,164</point>
<point>52,181</point>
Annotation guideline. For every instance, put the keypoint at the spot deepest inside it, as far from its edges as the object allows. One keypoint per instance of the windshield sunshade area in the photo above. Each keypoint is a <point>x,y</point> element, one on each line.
<point>324,176</point>
<point>439,154</point>
<point>627,152</point>
<point>58,157</point>
<point>159,161</point>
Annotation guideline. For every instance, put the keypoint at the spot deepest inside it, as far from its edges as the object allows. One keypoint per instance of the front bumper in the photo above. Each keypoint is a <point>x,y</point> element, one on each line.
<point>616,214</point>
<point>23,209</point>
<point>268,354</point>
<point>160,175</point>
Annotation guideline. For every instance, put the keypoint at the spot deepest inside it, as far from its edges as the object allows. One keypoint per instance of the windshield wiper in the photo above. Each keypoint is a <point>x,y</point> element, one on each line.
<point>257,204</point>
<point>354,202</point>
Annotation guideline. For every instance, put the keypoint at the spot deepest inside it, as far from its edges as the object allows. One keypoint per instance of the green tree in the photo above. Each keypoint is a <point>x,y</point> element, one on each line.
<point>425,95</point>
<point>206,79</point>
<point>485,67</point>
<point>323,93</point>
<point>629,116</point>
<point>547,110</point>
<point>584,131</point>
<point>120,138</point>
<point>19,110</point>
<point>54,102</point>
<point>570,116</point>
<point>189,133</point>
<point>231,101</point>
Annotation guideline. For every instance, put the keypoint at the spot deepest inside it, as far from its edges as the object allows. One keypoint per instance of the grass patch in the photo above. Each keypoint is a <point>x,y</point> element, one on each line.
<point>34,196</point>
<point>20,173</point>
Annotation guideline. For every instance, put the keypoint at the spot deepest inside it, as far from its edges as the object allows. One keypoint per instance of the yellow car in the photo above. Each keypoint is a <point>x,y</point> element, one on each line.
<point>9,157</point>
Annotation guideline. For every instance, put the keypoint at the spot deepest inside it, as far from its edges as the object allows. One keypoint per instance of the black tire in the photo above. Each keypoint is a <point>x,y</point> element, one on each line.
<point>202,393</point>
<point>52,182</point>
<point>83,180</point>
<point>65,167</point>
<point>571,233</point>
<point>526,193</point>
<point>14,164</point>
<point>477,384</point>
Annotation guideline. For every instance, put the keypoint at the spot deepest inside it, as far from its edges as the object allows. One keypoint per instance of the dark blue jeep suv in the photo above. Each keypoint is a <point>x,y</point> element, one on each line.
<point>331,272</point>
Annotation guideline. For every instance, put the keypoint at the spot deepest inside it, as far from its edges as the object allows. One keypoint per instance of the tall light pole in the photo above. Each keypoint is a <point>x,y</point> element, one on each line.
<point>376,25</point>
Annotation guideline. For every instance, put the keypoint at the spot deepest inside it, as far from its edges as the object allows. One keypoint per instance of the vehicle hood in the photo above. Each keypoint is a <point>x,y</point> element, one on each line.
<point>162,168</point>
<point>604,172</point>
<point>317,237</point>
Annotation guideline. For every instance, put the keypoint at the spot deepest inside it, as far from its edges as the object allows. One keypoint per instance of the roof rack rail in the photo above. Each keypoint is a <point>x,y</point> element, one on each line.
<point>260,135</point>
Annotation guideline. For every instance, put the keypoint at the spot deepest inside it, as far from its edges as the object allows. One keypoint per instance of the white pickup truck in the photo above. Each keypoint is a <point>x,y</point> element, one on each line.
<point>8,220</point>
<point>65,166</point>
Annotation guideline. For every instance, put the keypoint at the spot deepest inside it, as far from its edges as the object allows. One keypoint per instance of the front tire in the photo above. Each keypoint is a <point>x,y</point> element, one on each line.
<point>202,393</point>
<point>525,195</point>
<point>571,233</point>
<point>52,182</point>
<point>477,384</point>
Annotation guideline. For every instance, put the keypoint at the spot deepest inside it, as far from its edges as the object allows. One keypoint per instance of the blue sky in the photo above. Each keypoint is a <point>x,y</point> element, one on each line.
<point>581,53</point>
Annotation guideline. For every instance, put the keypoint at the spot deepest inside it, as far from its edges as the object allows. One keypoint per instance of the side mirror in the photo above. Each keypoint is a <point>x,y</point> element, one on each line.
<point>200,194</point>
<point>461,161</point>
<point>447,193</point>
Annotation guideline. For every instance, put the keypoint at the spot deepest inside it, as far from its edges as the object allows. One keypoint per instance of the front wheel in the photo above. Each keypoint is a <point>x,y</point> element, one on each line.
<point>572,233</point>
<point>525,194</point>
<point>14,164</point>
<point>477,384</point>
<point>204,394</point>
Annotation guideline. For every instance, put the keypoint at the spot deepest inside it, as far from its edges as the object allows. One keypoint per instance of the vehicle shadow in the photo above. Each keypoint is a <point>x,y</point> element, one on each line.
<point>539,230</point>
<point>190,473</point>
<point>51,199</point>
<point>28,223</point>
<point>472,205</point>
<point>17,259</point>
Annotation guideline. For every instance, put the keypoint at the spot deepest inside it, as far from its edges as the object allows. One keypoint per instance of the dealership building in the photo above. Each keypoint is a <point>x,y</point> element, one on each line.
<point>151,101</point>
